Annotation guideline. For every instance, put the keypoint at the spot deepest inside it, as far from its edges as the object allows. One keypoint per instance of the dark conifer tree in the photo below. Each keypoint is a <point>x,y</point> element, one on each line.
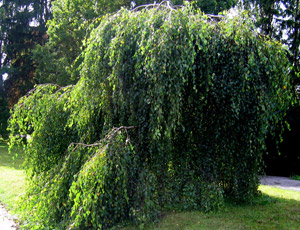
<point>23,26</point>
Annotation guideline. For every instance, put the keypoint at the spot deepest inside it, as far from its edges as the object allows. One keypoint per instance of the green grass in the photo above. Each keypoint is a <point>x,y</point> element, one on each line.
<point>276,209</point>
<point>12,177</point>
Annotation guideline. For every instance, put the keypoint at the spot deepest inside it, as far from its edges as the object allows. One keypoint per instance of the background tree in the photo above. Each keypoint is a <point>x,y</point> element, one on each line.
<point>4,111</point>
<point>280,19</point>
<point>23,25</point>
<point>211,6</point>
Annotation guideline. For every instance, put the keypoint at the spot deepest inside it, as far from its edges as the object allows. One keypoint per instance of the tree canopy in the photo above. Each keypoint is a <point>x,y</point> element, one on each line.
<point>59,60</point>
<point>171,111</point>
<point>29,57</point>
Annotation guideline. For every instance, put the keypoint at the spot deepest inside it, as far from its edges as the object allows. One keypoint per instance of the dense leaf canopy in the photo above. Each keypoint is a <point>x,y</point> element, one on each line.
<point>73,21</point>
<point>193,100</point>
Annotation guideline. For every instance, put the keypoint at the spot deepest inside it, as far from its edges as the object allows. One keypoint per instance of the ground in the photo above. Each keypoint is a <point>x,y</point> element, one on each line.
<point>6,220</point>
<point>7,223</point>
<point>281,182</point>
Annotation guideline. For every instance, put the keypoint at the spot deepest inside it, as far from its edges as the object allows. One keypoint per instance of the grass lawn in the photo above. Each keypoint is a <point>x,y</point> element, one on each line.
<point>276,209</point>
<point>12,177</point>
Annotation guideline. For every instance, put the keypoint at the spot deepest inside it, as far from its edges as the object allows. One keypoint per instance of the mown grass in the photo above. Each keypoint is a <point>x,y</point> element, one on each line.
<point>276,209</point>
<point>12,177</point>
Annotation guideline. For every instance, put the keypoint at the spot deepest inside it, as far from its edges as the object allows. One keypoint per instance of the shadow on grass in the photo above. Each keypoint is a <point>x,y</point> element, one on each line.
<point>274,209</point>
<point>9,159</point>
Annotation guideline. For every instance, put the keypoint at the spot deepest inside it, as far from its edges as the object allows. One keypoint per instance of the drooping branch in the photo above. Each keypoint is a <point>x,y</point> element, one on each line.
<point>169,5</point>
<point>108,137</point>
<point>166,4</point>
<point>38,87</point>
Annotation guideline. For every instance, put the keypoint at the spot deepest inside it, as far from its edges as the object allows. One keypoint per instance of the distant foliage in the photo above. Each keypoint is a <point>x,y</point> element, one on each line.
<point>279,19</point>
<point>193,100</point>
<point>4,114</point>
<point>23,26</point>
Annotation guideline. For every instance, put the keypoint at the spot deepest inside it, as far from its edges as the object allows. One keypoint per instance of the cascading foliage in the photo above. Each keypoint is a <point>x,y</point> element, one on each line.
<point>192,100</point>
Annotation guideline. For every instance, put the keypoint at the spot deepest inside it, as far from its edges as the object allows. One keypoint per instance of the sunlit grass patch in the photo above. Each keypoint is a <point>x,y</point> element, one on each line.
<point>280,193</point>
<point>12,177</point>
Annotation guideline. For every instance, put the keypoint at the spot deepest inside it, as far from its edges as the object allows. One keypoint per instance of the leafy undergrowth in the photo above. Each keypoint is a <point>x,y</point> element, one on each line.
<point>12,177</point>
<point>275,209</point>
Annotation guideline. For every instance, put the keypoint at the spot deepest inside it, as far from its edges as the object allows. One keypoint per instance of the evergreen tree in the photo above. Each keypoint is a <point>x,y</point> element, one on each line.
<point>4,111</point>
<point>23,25</point>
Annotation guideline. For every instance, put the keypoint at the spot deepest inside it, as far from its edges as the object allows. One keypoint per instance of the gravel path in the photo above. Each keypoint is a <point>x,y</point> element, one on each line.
<point>281,182</point>
<point>6,220</point>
